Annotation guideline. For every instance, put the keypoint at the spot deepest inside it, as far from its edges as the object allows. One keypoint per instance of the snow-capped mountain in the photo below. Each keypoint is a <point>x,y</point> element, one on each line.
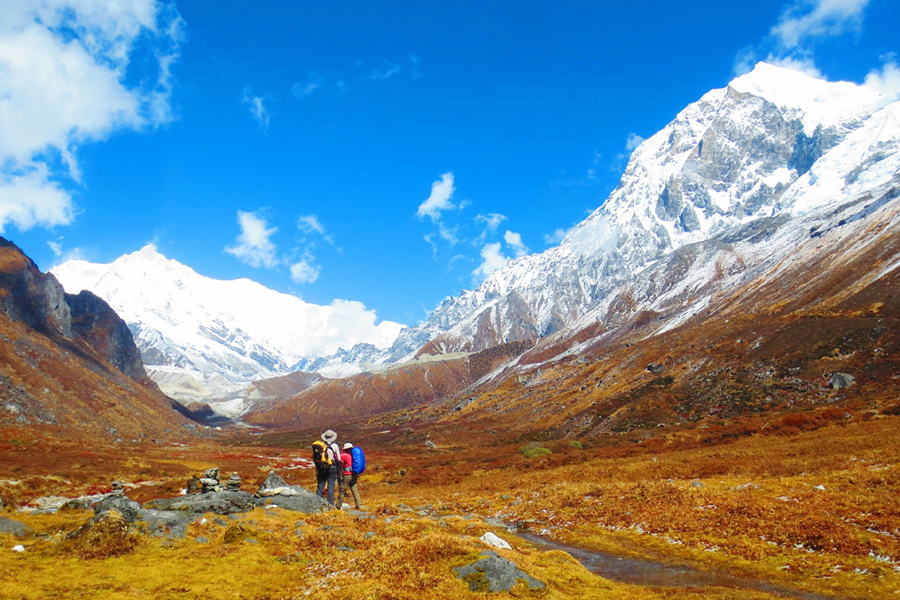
<point>762,161</point>
<point>773,145</point>
<point>200,336</point>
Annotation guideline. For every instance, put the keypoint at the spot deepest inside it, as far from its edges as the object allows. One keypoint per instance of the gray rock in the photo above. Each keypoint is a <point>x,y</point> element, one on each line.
<point>696,484</point>
<point>495,522</point>
<point>220,503</point>
<point>164,523</point>
<point>655,368</point>
<point>840,381</point>
<point>11,527</point>
<point>79,504</point>
<point>306,502</point>
<point>128,507</point>
<point>202,540</point>
<point>273,481</point>
<point>495,574</point>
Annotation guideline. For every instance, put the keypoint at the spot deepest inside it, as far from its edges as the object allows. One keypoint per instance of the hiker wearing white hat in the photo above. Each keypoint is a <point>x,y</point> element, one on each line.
<point>327,458</point>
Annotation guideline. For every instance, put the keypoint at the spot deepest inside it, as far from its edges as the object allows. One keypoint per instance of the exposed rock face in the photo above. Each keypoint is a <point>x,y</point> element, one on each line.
<point>70,377</point>
<point>101,328</point>
<point>38,300</point>
<point>29,296</point>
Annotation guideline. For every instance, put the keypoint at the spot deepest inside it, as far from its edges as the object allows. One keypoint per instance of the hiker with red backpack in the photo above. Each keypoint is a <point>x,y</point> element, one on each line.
<point>327,459</point>
<point>354,462</point>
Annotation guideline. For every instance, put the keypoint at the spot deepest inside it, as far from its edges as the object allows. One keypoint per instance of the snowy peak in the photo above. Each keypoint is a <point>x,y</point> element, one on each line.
<point>742,160</point>
<point>220,331</point>
<point>819,102</point>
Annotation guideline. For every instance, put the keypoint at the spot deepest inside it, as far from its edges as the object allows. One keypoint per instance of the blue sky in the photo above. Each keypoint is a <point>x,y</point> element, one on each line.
<point>390,153</point>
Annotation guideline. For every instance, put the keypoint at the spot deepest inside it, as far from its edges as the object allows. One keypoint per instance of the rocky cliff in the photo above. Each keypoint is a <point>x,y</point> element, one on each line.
<point>68,364</point>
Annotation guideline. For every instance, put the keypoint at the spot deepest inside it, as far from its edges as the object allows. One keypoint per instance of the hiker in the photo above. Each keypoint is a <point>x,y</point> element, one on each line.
<point>350,476</point>
<point>327,458</point>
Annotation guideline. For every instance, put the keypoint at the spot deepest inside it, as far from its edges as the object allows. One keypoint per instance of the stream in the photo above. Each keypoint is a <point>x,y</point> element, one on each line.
<point>657,574</point>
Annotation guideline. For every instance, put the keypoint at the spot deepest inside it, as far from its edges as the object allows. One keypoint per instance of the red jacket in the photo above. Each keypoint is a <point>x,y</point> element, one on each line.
<point>347,460</point>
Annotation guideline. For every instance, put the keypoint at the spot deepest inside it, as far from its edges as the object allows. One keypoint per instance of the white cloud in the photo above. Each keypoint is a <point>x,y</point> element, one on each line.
<point>63,71</point>
<point>385,70</point>
<point>555,238</point>
<point>60,255</point>
<point>310,224</point>
<point>806,19</point>
<point>304,272</point>
<point>492,259</point>
<point>886,80</point>
<point>257,107</point>
<point>414,62</point>
<point>28,198</point>
<point>441,192</point>
<point>633,141</point>
<point>349,322</point>
<point>514,241</point>
<point>448,234</point>
<point>301,90</point>
<point>802,64</point>
<point>254,246</point>
<point>491,221</point>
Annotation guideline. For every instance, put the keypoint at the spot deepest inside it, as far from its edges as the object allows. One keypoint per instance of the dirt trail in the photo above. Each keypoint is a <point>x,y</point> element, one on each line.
<point>657,574</point>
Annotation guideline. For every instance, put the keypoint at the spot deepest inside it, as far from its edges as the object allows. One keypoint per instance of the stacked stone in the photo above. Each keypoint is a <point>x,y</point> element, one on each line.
<point>118,488</point>
<point>234,483</point>
<point>210,481</point>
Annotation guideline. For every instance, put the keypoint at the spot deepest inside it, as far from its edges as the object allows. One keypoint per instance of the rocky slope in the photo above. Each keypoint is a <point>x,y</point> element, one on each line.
<point>68,364</point>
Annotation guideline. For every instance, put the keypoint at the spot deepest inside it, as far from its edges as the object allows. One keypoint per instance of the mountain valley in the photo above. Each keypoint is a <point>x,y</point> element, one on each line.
<point>703,373</point>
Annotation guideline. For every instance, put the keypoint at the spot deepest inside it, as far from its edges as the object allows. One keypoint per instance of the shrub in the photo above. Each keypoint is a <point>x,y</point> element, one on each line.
<point>576,444</point>
<point>107,536</point>
<point>535,451</point>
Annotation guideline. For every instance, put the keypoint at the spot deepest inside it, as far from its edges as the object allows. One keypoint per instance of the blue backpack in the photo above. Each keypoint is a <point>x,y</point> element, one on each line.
<point>359,460</point>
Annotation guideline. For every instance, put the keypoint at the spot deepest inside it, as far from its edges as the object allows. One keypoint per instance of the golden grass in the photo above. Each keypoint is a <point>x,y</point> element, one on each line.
<point>757,512</point>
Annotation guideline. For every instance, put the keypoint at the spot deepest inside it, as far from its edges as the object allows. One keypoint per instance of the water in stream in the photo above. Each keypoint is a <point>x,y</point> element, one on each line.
<point>656,574</point>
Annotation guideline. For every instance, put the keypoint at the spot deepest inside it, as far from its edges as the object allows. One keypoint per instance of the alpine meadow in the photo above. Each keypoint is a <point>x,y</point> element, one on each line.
<point>662,246</point>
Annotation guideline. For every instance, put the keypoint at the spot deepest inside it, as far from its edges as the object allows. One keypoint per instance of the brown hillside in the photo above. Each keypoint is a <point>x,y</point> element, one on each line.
<point>355,398</point>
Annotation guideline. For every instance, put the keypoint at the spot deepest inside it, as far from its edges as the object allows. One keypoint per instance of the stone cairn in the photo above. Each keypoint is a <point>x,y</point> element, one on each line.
<point>118,489</point>
<point>210,481</point>
<point>234,483</point>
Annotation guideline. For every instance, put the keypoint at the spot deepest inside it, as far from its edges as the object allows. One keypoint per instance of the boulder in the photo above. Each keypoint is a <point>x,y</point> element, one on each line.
<point>164,523</point>
<point>495,541</point>
<point>83,503</point>
<point>296,499</point>
<point>273,481</point>
<point>126,506</point>
<point>840,381</point>
<point>220,503</point>
<point>11,527</point>
<point>492,573</point>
